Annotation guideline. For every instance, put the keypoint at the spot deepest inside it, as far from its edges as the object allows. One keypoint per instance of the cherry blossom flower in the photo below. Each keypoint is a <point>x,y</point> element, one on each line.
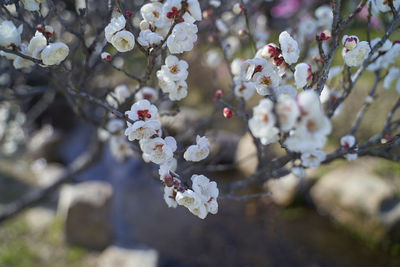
<point>193,8</point>
<point>350,42</point>
<point>390,77</point>
<point>22,63</point>
<point>118,96</point>
<point>148,93</point>
<point>313,158</point>
<point>143,129</point>
<point>207,191</point>
<point>290,48</point>
<point>37,41</point>
<point>120,148</point>
<point>266,80</point>
<point>348,141</point>
<point>149,38</point>
<point>262,124</point>
<point>324,15</point>
<point>182,38</point>
<point>123,41</point>
<point>175,69</point>
<point>54,53</point>
<point>152,13</point>
<point>288,112</point>
<point>142,110</point>
<point>9,34</point>
<point>355,57</point>
<point>199,151</point>
<point>159,150</point>
<point>244,89</point>
<point>192,201</point>
<point>117,24</point>
<point>169,197</point>
<point>302,74</point>
<point>286,89</point>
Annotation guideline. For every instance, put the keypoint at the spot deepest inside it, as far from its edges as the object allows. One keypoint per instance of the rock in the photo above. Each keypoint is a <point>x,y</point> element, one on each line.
<point>246,155</point>
<point>39,218</point>
<point>122,257</point>
<point>223,146</point>
<point>358,199</point>
<point>86,208</point>
<point>283,189</point>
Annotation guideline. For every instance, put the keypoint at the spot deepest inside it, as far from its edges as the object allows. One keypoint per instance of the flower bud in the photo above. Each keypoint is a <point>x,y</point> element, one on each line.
<point>106,56</point>
<point>128,14</point>
<point>237,8</point>
<point>228,113</point>
<point>207,14</point>
<point>325,35</point>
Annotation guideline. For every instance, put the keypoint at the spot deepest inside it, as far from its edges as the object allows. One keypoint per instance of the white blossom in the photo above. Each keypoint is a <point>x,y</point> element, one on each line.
<point>148,93</point>
<point>123,41</point>
<point>313,158</point>
<point>175,69</point>
<point>142,110</point>
<point>9,34</point>
<point>194,10</point>
<point>324,15</point>
<point>262,124</point>
<point>199,151</point>
<point>149,38</point>
<point>120,148</point>
<point>286,89</point>
<point>169,197</point>
<point>244,89</point>
<point>266,80</point>
<point>182,38</point>
<point>54,53</point>
<point>288,112</point>
<point>118,96</point>
<point>392,75</point>
<point>290,48</point>
<point>152,13</point>
<point>355,57</point>
<point>143,129</point>
<point>22,63</point>
<point>302,74</point>
<point>117,24</point>
<point>207,191</point>
<point>348,141</point>
<point>37,41</point>
<point>192,201</point>
<point>350,42</point>
<point>159,150</point>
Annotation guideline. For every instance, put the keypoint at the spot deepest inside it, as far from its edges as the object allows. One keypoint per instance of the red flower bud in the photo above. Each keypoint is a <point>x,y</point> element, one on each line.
<point>228,113</point>
<point>128,14</point>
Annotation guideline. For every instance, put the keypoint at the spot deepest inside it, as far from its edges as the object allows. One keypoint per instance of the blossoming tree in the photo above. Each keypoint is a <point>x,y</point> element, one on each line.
<point>288,76</point>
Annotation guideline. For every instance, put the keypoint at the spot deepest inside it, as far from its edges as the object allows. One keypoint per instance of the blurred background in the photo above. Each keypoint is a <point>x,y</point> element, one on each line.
<point>113,213</point>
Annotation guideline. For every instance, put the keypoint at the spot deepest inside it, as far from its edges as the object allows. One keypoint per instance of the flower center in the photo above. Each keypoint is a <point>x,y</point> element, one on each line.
<point>266,118</point>
<point>311,126</point>
<point>143,114</point>
<point>266,80</point>
<point>174,69</point>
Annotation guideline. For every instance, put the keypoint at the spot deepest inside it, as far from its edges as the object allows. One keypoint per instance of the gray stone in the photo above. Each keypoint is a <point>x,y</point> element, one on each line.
<point>356,197</point>
<point>122,257</point>
<point>246,155</point>
<point>86,208</point>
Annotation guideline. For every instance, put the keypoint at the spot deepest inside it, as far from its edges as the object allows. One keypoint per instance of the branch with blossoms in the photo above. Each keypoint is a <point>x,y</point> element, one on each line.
<point>296,101</point>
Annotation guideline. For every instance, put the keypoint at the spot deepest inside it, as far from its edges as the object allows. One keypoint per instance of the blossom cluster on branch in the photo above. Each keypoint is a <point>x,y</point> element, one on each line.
<point>286,91</point>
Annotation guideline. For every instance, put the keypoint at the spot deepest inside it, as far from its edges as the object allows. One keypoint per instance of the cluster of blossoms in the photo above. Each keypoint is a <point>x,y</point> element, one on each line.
<point>144,125</point>
<point>158,18</point>
<point>39,46</point>
<point>172,78</point>
<point>298,121</point>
